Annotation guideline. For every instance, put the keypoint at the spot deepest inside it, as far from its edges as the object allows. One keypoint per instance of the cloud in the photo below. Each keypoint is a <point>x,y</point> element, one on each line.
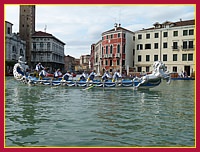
<point>79,26</point>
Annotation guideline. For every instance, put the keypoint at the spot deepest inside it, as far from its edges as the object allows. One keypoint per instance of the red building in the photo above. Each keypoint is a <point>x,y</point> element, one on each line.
<point>117,49</point>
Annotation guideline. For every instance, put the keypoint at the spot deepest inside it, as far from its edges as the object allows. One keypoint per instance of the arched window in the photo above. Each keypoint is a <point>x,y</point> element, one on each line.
<point>118,48</point>
<point>106,49</point>
<point>111,49</point>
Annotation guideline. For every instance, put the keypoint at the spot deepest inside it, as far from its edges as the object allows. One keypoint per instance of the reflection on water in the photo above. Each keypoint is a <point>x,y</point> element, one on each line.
<point>61,116</point>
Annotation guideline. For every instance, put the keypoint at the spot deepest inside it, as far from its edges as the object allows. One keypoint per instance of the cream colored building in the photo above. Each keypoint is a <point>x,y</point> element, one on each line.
<point>171,42</point>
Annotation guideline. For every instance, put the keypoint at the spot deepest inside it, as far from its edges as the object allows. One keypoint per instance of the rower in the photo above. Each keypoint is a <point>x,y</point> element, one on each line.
<point>92,75</point>
<point>42,74</point>
<point>83,77</point>
<point>116,76</point>
<point>106,76</point>
<point>66,76</point>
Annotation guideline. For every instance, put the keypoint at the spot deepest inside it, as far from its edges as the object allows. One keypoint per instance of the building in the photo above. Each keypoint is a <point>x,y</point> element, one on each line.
<point>97,58</point>
<point>14,48</point>
<point>85,63</point>
<point>92,57</point>
<point>69,63</point>
<point>48,50</point>
<point>171,42</point>
<point>117,52</point>
<point>27,27</point>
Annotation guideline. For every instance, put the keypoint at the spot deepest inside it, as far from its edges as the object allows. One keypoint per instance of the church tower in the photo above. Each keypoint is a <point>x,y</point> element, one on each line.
<point>27,27</point>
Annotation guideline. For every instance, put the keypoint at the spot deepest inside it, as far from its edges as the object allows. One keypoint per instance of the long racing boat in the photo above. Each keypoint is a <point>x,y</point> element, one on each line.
<point>146,82</point>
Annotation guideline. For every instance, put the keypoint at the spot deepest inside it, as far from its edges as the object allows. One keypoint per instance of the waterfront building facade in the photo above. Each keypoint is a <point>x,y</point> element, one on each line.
<point>117,50</point>
<point>85,63</point>
<point>97,58</point>
<point>171,42</point>
<point>69,63</point>
<point>48,50</point>
<point>14,48</point>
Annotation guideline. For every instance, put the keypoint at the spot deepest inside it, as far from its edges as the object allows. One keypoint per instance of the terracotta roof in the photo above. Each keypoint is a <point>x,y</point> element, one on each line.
<point>44,34</point>
<point>174,24</point>
<point>40,33</point>
<point>118,28</point>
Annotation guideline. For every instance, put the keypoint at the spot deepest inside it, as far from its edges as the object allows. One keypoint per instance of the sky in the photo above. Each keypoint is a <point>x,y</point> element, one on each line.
<point>80,26</point>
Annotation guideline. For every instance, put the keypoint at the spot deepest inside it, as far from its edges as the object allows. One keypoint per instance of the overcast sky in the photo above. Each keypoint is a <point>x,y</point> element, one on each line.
<point>79,26</point>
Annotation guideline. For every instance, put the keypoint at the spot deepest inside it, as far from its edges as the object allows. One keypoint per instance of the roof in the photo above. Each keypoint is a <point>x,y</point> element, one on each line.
<point>172,24</point>
<point>119,28</point>
<point>44,34</point>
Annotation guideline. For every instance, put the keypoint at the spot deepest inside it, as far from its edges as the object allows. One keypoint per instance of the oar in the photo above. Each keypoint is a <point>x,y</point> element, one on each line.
<point>89,87</point>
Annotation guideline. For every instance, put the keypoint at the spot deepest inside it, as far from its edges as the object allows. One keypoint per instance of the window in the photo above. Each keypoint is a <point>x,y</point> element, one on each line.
<point>190,57</point>
<point>123,62</point>
<point>147,69</point>
<point>155,45</point>
<point>156,35</point>
<point>118,48</point>
<point>147,58</point>
<point>191,44</point>
<point>191,32</point>
<point>184,57</point>
<point>123,49</point>
<point>34,46</point>
<point>165,34</point>
<point>111,49</point>
<point>147,46</point>
<point>175,33</point>
<point>139,69</point>
<point>102,37</point>
<point>164,57</point>
<point>118,34</point>
<point>106,49</point>
<point>147,36</point>
<point>41,44</point>
<point>118,62</point>
<point>174,69</point>
<point>110,62</point>
<point>133,38</point>
<point>184,44</point>
<point>106,62</point>
<point>139,47</point>
<point>9,31</point>
<point>165,45</point>
<point>174,57</point>
<point>185,32</point>
<point>111,36</point>
<point>139,36</point>
<point>155,57</point>
<point>175,45</point>
<point>139,58</point>
<point>106,36</point>
<point>48,46</point>
<point>124,35</point>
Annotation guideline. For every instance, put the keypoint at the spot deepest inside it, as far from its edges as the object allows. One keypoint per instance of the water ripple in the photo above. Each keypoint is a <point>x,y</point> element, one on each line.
<point>61,116</point>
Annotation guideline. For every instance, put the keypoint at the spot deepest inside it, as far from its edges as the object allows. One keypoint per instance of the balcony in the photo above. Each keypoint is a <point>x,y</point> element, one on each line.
<point>188,48</point>
<point>110,55</point>
<point>105,55</point>
<point>175,48</point>
<point>118,55</point>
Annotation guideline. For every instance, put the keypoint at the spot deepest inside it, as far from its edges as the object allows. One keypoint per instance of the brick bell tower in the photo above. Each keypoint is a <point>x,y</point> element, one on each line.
<point>27,27</point>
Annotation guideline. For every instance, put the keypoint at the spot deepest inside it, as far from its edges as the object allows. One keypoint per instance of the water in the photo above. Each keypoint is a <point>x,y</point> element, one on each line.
<point>63,117</point>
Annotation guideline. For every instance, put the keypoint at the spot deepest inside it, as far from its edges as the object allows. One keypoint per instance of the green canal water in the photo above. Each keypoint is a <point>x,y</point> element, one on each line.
<point>63,117</point>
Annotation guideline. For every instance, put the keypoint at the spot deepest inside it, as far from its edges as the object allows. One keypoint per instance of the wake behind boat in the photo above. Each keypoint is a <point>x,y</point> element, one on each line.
<point>146,82</point>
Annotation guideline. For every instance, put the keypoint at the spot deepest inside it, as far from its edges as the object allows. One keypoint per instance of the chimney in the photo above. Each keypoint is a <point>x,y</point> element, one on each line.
<point>115,26</point>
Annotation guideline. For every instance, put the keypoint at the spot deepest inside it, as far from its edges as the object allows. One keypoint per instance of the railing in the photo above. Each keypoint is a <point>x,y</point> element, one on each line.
<point>118,55</point>
<point>188,47</point>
